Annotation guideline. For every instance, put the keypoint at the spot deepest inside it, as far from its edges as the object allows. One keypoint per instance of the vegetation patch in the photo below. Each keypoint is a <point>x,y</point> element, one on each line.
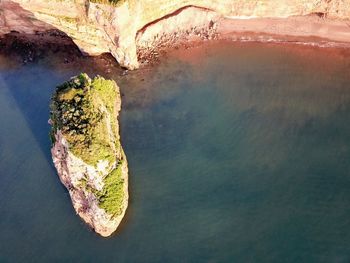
<point>85,111</point>
<point>112,195</point>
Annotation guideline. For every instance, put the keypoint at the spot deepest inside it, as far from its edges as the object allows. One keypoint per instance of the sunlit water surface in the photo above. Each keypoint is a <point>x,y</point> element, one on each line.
<point>237,153</point>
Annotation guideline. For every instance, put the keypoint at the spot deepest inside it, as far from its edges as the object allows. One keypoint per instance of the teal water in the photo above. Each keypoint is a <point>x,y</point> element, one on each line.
<point>237,153</point>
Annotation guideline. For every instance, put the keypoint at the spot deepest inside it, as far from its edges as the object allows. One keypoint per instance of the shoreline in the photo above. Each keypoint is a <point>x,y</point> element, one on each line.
<point>310,30</point>
<point>135,29</point>
<point>333,30</point>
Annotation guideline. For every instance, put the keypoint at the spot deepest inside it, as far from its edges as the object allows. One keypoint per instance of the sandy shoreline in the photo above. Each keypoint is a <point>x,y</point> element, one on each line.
<point>298,28</point>
<point>309,30</point>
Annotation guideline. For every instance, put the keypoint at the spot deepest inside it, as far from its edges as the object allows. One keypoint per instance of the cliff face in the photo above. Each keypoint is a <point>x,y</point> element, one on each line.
<point>121,29</point>
<point>86,150</point>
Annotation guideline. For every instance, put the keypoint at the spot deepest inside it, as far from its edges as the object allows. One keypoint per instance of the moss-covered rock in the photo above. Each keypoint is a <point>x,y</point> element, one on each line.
<point>87,152</point>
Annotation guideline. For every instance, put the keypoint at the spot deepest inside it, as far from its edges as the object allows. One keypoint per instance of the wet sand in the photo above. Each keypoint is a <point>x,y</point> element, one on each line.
<point>312,29</point>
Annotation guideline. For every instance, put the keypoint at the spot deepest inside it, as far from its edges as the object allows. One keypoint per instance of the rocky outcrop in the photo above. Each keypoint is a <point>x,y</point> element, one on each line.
<point>134,25</point>
<point>86,150</point>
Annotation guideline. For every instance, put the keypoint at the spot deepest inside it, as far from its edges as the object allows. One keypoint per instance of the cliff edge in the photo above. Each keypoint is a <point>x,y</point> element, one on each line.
<point>86,150</point>
<point>132,27</point>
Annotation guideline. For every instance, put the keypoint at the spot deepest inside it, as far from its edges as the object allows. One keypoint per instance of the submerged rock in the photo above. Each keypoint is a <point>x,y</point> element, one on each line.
<point>86,150</point>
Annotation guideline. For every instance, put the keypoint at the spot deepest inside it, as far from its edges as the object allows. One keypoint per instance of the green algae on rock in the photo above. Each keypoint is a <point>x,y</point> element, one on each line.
<point>86,150</point>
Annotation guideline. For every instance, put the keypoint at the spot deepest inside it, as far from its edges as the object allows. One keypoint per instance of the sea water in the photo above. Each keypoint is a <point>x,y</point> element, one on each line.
<point>238,152</point>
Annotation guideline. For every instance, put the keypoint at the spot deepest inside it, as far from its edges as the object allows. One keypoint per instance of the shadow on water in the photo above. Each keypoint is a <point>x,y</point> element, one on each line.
<point>30,71</point>
<point>27,81</point>
<point>32,85</point>
<point>40,62</point>
<point>34,64</point>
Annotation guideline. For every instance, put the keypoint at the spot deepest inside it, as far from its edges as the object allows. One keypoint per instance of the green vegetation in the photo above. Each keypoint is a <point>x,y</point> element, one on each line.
<point>84,111</point>
<point>80,109</point>
<point>112,195</point>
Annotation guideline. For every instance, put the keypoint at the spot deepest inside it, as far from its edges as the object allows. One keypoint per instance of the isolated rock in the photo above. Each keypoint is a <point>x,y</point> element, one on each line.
<point>86,150</point>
